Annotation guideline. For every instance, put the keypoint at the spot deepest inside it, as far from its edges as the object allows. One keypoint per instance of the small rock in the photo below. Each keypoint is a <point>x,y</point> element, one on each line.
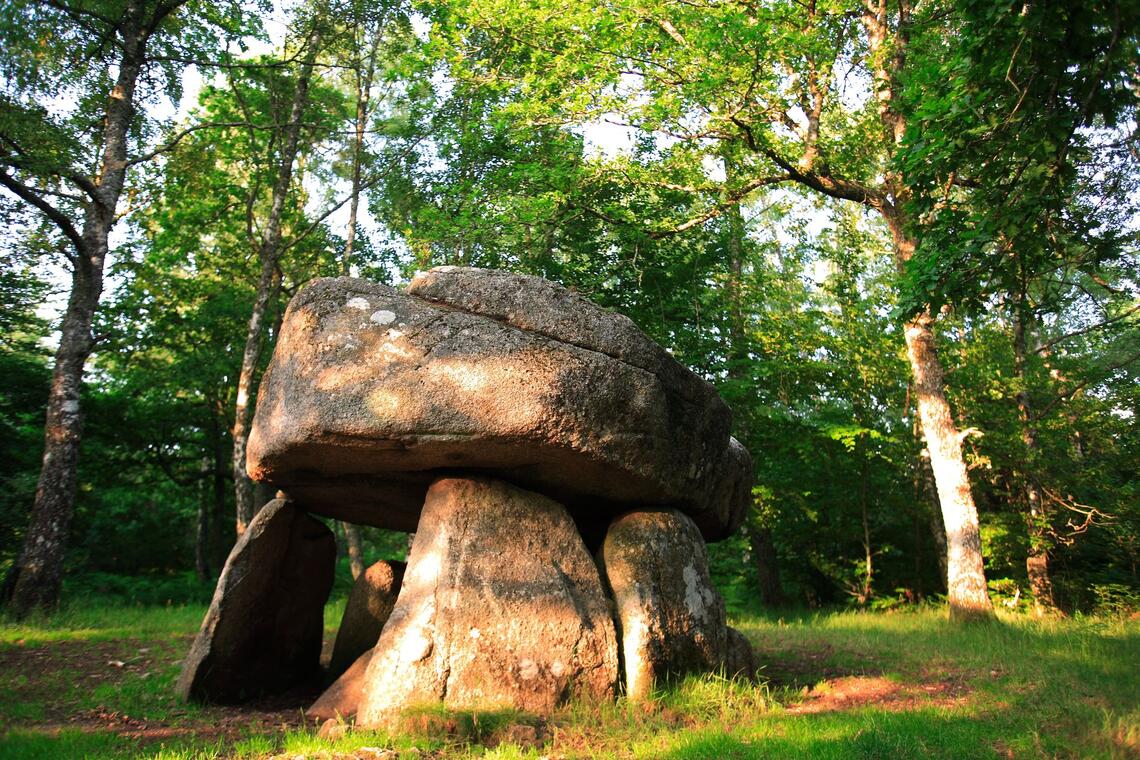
<point>333,729</point>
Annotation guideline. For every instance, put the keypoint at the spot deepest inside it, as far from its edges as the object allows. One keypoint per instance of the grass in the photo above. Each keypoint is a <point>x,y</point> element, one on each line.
<point>837,685</point>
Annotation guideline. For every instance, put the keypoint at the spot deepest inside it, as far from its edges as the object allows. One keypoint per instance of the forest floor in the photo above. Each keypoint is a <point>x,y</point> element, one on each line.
<point>97,681</point>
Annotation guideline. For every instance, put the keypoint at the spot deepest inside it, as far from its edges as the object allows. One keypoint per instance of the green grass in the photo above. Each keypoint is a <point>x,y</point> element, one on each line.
<point>1013,688</point>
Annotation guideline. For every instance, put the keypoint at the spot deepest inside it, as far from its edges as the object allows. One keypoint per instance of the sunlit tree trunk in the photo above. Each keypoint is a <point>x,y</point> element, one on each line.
<point>965,574</point>
<point>36,577</point>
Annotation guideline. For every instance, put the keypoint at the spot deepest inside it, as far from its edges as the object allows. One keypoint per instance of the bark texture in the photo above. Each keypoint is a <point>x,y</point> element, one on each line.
<point>37,575</point>
<point>965,574</point>
<point>269,254</point>
<point>1036,516</point>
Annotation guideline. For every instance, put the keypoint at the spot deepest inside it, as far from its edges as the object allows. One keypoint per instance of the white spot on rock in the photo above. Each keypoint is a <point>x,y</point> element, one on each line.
<point>695,598</point>
<point>528,670</point>
<point>383,317</point>
<point>474,633</point>
<point>557,668</point>
<point>358,303</point>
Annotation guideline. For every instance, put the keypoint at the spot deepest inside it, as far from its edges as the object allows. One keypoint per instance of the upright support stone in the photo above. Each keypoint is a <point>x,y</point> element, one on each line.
<point>740,659</point>
<point>263,631</point>
<point>670,618</point>
<point>369,604</point>
<point>501,607</point>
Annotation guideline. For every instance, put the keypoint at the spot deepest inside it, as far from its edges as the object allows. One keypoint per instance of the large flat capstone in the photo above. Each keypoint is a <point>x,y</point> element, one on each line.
<point>373,392</point>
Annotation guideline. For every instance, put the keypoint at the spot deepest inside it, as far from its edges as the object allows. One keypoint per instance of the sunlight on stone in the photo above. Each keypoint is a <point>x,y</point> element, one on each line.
<point>383,402</point>
<point>468,377</point>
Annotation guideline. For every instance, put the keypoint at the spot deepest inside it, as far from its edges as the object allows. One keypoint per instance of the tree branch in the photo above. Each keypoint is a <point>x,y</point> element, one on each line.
<point>1072,391</point>
<point>834,187</point>
<point>1046,346</point>
<point>22,191</point>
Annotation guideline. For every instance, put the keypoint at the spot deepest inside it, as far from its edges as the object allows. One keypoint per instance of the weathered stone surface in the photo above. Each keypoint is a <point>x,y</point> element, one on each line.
<point>739,657</point>
<point>501,606</point>
<point>372,393</point>
<point>342,698</point>
<point>369,605</point>
<point>670,618</point>
<point>262,633</point>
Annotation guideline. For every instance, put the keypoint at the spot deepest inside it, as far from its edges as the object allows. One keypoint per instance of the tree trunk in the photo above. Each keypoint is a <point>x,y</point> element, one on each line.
<point>202,525</point>
<point>219,546</point>
<point>937,529</point>
<point>269,254</point>
<point>767,567</point>
<point>38,572</point>
<point>965,574</point>
<point>364,77</point>
<point>965,571</point>
<point>1036,517</point>
<point>868,554</point>
<point>355,549</point>
<point>763,548</point>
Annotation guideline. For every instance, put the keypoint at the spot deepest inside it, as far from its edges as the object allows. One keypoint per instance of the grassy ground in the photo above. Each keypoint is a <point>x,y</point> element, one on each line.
<point>96,681</point>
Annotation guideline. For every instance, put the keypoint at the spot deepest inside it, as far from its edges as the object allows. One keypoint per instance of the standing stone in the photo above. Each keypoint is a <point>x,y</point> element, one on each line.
<point>342,699</point>
<point>369,605</point>
<point>262,633</point>
<point>739,658</point>
<point>670,618</point>
<point>501,607</point>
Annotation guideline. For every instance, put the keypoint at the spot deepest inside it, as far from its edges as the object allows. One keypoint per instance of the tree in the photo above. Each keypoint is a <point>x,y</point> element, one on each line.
<point>72,169</point>
<point>782,95</point>
<point>1027,157</point>
<point>269,254</point>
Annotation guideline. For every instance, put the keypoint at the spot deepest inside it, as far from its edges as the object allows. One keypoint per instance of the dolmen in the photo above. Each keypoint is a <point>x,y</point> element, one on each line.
<point>561,474</point>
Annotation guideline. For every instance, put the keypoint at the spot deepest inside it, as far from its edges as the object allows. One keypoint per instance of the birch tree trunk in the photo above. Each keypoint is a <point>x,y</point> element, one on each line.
<point>37,574</point>
<point>269,255</point>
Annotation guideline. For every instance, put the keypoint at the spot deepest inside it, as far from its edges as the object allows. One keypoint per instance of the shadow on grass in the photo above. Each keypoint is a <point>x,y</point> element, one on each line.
<point>1054,687</point>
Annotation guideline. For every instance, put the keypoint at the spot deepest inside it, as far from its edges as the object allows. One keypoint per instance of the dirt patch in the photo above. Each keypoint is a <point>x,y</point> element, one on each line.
<point>850,692</point>
<point>806,667</point>
<point>52,687</point>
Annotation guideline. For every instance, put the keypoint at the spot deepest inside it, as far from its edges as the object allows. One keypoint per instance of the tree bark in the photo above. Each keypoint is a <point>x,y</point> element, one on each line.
<point>937,529</point>
<point>38,572</point>
<point>965,574</point>
<point>1036,516</point>
<point>767,567</point>
<point>269,254</point>
<point>355,549</point>
<point>364,76</point>
<point>868,553</point>
<point>202,525</point>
